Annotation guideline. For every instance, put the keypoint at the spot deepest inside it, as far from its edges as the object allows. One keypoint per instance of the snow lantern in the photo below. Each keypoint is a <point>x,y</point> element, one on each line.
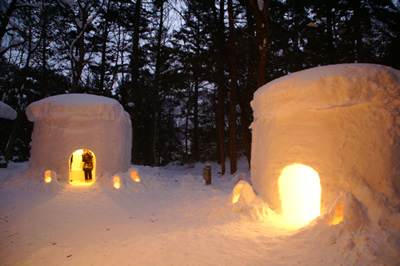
<point>66,125</point>
<point>323,131</point>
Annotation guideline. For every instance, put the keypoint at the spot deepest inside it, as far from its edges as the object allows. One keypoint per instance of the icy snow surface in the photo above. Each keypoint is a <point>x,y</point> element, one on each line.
<point>169,218</point>
<point>7,112</point>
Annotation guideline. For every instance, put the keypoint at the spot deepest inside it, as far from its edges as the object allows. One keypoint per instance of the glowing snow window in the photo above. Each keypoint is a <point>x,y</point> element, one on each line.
<point>300,193</point>
<point>78,163</point>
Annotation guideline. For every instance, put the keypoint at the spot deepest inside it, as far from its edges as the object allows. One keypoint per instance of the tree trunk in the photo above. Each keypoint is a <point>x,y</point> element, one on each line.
<point>156,89</point>
<point>12,137</point>
<point>233,92</point>
<point>329,35</point>
<point>78,59</point>
<point>44,51</point>
<point>185,160</point>
<point>359,57</point>
<point>135,79</point>
<point>104,52</point>
<point>262,30</point>
<point>196,150</point>
<point>220,85</point>
<point>251,86</point>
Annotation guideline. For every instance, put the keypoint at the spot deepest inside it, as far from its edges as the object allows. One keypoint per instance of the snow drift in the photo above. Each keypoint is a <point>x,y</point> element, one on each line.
<point>7,112</point>
<point>70,122</point>
<point>343,122</point>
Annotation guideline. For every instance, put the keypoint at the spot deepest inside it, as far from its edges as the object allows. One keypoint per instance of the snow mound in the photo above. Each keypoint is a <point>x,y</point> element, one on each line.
<point>7,112</point>
<point>21,179</point>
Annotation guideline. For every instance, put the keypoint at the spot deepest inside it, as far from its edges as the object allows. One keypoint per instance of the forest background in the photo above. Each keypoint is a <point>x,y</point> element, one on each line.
<point>184,70</point>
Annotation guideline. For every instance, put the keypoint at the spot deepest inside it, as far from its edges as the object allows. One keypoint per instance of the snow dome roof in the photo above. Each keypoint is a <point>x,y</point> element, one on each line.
<point>7,112</point>
<point>327,87</point>
<point>75,106</point>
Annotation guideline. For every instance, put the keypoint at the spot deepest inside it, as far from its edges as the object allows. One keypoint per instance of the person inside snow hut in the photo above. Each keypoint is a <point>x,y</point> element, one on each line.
<point>87,159</point>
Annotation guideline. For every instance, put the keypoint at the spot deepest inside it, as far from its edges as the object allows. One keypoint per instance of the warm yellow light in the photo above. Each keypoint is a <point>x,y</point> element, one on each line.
<point>80,183</point>
<point>47,176</point>
<point>135,176</point>
<point>116,181</point>
<point>236,192</point>
<point>300,193</point>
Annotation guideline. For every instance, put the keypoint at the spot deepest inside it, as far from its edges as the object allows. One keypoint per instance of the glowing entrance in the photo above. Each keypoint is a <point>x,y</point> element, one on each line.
<point>300,193</point>
<point>76,172</point>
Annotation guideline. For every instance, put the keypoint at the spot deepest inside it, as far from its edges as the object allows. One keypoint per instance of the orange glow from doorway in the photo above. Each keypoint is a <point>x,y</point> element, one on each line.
<point>300,194</point>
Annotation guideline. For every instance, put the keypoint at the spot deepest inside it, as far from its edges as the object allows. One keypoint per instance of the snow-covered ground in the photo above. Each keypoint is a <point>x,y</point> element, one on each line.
<point>170,217</point>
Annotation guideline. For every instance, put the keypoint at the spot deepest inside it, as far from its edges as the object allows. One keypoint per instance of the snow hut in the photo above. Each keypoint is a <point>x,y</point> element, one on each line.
<point>66,125</point>
<point>323,131</point>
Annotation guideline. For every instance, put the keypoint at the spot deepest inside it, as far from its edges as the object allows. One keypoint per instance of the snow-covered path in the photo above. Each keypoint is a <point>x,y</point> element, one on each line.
<point>170,218</point>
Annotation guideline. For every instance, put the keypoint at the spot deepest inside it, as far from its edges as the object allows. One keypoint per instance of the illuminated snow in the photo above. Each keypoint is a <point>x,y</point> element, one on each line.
<point>169,218</point>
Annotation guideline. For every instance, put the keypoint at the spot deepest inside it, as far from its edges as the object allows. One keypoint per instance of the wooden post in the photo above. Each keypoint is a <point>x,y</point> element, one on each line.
<point>207,174</point>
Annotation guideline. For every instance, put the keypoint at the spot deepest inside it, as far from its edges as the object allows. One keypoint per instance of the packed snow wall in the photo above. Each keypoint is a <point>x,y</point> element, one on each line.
<point>69,122</point>
<point>340,120</point>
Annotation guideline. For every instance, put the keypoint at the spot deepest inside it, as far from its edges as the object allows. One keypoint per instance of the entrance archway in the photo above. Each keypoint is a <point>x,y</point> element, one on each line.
<point>76,173</point>
<point>300,194</point>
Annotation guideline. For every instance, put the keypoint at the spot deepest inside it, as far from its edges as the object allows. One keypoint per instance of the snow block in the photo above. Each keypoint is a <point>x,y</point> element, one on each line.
<point>341,120</point>
<point>69,122</point>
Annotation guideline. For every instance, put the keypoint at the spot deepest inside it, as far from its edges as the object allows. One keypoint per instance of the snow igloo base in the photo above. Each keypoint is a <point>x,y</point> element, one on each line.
<point>65,125</point>
<point>329,132</point>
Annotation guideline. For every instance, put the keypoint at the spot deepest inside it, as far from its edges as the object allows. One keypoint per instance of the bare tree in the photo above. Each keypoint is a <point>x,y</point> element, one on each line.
<point>83,13</point>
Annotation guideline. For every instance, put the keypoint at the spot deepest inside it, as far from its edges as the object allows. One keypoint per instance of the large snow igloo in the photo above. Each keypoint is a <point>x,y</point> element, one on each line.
<point>336,127</point>
<point>65,125</point>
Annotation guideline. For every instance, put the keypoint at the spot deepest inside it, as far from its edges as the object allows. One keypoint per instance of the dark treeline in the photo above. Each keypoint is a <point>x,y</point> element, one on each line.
<point>184,70</point>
